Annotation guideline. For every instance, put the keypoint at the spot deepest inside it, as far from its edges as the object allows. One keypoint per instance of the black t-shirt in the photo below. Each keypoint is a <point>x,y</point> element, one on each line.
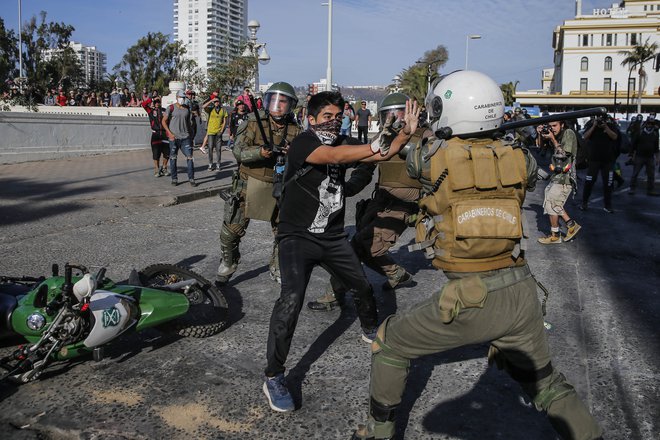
<point>313,203</point>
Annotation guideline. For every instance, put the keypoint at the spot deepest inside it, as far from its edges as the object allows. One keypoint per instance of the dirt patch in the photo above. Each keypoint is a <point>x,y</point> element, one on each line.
<point>191,416</point>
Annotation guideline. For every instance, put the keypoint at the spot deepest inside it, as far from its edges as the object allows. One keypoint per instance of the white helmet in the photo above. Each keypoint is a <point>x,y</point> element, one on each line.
<point>467,102</point>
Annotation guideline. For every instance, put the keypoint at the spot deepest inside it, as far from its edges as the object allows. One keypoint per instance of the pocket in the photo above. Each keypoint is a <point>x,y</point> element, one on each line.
<point>485,175</point>
<point>464,293</point>
<point>459,167</point>
<point>510,173</point>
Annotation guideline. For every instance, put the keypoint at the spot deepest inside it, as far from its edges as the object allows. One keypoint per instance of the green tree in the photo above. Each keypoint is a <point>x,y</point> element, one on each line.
<point>639,54</point>
<point>230,77</point>
<point>8,55</point>
<point>416,78</point>
<point>151,62</point>
<point>509,90</point>
<point>48,61</point>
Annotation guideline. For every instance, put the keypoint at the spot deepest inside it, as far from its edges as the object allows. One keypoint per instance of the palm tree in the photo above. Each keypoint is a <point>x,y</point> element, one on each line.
<point>639,54</point>
<point>509,91</point>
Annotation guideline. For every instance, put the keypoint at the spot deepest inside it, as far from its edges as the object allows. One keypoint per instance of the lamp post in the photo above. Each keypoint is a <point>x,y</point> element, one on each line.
<point>397,82</point>
<point>329,71</point>
<point>255,49</point>
<point>467,41</point>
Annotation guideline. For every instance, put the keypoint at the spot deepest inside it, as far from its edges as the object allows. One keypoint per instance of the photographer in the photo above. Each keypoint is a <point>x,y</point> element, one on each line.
<point>602,137</point>
<point>543,143</point>
<point>563,142</point>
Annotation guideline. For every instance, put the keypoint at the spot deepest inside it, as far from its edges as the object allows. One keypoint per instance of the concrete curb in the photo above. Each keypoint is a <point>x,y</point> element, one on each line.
<point>196,195</point>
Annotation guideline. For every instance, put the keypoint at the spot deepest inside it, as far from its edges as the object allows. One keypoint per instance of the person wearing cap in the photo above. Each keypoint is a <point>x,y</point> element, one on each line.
<point>363,119</point>
<point>177,123</point>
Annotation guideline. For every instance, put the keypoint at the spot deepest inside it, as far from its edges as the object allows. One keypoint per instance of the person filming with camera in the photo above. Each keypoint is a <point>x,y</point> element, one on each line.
<point>602,138</point>
<point>563,143</point>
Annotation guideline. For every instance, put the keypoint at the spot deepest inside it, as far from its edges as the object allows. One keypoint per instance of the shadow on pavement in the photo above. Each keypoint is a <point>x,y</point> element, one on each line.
<point>297,374</point>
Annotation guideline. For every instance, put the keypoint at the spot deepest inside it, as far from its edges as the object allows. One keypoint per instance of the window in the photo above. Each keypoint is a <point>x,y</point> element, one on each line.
<point>608,39</point>
<point>584,83</point>
<point>631,84</point>
<point>608,64</point>
<point>633,39</point>
<point>585,40</point>
<point>607,85</point>
<point>584,64</point>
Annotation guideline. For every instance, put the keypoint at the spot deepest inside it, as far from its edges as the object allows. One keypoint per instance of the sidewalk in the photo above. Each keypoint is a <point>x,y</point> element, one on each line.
<point>120,175</point>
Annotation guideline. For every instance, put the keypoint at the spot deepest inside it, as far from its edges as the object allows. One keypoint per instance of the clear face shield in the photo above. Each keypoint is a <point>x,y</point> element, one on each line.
<point>393,116</point>
<point>278,105</point>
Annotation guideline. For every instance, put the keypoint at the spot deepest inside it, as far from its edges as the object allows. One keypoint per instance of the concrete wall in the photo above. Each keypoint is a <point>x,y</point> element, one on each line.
<point>27,136</point>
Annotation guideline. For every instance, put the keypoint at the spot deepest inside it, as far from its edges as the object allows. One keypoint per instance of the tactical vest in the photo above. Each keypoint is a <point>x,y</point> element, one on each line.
<point>263,169</point>
<point>392,173</point>
<point>470,218</point>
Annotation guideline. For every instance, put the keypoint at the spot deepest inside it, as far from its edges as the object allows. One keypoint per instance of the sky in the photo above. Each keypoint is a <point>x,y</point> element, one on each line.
<point>372,40</point>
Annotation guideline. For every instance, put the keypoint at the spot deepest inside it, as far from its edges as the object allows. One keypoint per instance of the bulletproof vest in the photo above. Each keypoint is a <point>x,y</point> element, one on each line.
<point>263,169</point>
<point>393,174</point>
<point>470,217</point>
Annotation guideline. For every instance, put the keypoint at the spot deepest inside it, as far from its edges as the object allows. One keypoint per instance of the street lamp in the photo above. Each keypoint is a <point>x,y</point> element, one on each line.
<point>467,41</point>
<point>329,71</point>
<point>255,49</point>
<point>397,82</point>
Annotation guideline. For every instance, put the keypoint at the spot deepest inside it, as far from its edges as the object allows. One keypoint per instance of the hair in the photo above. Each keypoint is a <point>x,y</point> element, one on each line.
<point>323,99</point>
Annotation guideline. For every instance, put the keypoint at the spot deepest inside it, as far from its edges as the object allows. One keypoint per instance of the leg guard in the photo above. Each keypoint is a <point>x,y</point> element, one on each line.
<point>274,264</point>
<point>388,377</point>
<point>566,412</point>
<point>230,237</point>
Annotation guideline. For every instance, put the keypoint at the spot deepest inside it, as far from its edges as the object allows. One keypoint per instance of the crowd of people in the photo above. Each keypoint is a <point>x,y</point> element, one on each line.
<point>89,98</point>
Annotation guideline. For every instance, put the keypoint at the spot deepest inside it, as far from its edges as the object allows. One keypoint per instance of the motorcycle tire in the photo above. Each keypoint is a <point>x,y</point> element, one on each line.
<point>208,312</point>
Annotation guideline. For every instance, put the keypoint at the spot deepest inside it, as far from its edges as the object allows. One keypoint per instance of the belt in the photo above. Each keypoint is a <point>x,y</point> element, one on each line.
<point>501,279</point>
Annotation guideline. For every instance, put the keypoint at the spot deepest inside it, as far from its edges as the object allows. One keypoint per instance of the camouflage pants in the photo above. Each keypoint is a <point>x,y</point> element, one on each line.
<point>509,318</point>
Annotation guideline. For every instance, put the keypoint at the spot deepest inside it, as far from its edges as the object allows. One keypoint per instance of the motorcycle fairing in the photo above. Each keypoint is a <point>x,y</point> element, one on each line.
<point>112,314</point>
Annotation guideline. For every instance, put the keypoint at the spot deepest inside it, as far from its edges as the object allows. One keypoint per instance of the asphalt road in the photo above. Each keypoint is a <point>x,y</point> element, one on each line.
<point>604,309</point>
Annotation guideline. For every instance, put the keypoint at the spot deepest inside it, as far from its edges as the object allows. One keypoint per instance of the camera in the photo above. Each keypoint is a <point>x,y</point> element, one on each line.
<point>545,129</point>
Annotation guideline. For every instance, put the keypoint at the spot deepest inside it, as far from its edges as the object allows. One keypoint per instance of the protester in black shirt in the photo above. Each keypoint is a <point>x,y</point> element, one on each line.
<point>645,155</point>
<point>238,116</point>
<point>602,137</point>
<point>311,229</point>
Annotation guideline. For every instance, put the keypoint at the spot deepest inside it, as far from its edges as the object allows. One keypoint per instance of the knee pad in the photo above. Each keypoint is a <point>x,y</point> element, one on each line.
<point>381,412</point>
<point>557,389</point>
<point>231,233</point>
<point>383,353</point>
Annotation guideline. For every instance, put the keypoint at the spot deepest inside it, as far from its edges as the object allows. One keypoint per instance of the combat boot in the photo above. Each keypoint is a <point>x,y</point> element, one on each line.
<point>225,272</point>
<point>400,278</point>
<point>363,433</point>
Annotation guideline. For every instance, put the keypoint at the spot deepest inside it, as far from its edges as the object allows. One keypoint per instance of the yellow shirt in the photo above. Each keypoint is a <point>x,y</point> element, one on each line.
<point>216,121</point>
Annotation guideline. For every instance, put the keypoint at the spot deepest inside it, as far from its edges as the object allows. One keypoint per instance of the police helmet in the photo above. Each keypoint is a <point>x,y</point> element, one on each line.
<point>467,102</point>
<point>280,100</point>
<point>392,104</point>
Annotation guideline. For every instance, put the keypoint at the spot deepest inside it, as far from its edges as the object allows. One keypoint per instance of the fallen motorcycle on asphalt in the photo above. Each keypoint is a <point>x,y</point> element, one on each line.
<point>66,317</point>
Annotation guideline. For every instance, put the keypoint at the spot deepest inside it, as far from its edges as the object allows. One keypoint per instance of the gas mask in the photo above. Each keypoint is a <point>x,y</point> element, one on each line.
<point>328,131</point>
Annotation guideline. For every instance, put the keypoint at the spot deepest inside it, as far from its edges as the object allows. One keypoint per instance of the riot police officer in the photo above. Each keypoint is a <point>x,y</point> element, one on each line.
<point>382,219</point>
<point>252,185</point>
<point>470,224</point>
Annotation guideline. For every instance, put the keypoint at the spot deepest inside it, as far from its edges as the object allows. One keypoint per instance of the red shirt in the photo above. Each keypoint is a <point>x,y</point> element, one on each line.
<point>61,100</point>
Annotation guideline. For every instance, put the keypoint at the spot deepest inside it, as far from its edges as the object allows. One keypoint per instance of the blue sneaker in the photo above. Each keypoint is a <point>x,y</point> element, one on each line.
<point>278,395</point>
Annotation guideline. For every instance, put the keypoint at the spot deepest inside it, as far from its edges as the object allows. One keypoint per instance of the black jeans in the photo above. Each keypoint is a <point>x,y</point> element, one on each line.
<point>363,133</point>
<point>298,256</point>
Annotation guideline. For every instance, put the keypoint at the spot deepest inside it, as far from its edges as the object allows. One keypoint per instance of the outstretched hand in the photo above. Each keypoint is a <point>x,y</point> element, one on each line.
<point>411,117</point>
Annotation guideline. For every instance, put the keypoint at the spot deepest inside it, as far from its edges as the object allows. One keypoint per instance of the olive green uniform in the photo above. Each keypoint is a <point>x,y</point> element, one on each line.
<point>470,224</point>
<point>252,186</point>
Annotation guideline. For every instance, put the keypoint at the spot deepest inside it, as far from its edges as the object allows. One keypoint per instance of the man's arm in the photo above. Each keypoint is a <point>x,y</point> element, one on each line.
<point>170,135</point>
<point>360,178</point>
<point>245,148</point>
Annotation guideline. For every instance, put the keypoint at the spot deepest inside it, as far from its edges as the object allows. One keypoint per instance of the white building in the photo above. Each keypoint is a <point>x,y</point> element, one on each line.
<point>587,62</point>
<point>93,62</point>
<point>210,30</point>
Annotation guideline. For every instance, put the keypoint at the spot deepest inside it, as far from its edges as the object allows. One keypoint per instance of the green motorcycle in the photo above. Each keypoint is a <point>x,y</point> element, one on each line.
<point>70,316</point>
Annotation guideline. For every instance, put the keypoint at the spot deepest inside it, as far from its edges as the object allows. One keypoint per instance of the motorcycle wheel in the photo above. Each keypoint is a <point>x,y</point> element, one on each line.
<point>208,310</point>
